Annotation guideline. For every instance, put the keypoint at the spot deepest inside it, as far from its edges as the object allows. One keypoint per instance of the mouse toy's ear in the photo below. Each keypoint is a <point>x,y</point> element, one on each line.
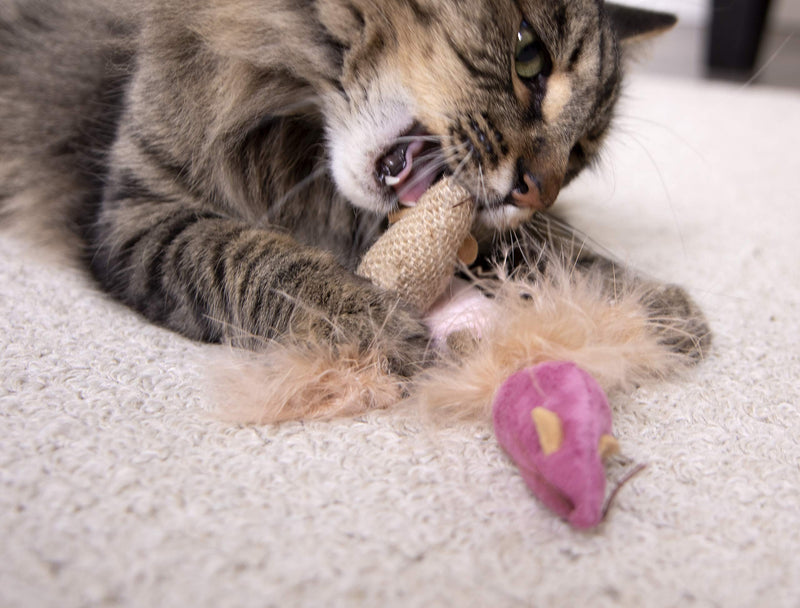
<point>635,24</point>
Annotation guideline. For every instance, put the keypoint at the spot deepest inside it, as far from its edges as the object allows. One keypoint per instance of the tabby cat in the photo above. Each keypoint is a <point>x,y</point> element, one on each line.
<point>227,162</point>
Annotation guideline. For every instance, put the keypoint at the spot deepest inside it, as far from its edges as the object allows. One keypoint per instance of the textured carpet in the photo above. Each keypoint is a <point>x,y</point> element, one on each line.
<point>117,487</point>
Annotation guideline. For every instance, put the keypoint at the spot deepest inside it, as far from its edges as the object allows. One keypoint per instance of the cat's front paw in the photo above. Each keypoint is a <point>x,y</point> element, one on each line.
<point>403,340</point>
<point>678,321</point>
<point>378,323</point>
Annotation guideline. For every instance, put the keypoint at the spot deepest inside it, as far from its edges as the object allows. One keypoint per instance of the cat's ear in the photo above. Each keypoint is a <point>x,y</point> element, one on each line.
<point>635,24</point>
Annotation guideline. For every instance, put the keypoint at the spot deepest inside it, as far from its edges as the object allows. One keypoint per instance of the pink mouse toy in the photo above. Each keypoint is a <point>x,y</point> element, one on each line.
<point>554,422</point>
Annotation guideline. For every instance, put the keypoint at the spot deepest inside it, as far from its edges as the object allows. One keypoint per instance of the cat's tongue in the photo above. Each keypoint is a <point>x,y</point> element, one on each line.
<point>416,176</point>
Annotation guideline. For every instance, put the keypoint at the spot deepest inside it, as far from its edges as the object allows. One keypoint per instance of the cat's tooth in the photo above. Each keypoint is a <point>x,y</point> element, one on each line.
<point>391,180</point>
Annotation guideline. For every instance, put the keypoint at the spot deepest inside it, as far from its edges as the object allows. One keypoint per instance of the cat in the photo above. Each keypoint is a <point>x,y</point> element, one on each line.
<point>225,163</point>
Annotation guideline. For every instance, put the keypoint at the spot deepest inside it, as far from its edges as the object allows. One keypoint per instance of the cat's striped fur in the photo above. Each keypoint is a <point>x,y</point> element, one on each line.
<point>217,157</point>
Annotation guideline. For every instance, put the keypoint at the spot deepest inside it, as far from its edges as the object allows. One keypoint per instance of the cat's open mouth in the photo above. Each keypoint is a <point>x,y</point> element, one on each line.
<point>411,165</point>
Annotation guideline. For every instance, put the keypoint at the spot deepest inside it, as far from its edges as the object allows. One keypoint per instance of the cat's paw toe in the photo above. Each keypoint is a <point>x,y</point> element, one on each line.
<point>385,329</point>
<point>405,343</point>
<point>678,321</point>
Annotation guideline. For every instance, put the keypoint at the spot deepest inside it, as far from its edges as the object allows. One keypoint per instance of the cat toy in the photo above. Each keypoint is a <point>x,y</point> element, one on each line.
<point>567,338</point>
<point>551,418</point>
<point>554,421</point>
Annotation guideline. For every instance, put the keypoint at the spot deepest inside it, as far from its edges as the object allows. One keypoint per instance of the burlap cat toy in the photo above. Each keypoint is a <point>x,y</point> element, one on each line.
<point>552,419</point>
<point>417,256</point>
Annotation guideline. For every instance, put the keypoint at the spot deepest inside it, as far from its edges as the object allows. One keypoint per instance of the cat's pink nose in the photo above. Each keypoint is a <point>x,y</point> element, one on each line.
<point>528,193</point>
<point>536,193</point>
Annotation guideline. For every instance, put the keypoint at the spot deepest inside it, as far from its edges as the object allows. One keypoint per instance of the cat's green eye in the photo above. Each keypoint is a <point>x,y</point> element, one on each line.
<point>530,57</point>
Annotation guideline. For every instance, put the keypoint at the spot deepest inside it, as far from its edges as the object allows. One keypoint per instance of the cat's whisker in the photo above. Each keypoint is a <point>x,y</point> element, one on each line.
<point>768,62</point>
<point>412,138</point>
<point>622,129</point>
<point>676,224</point>
<point>554,229</point>
<point>278,204</point>
<point>484,193</point>
<point>452,149</point>
<point>431,163</point>
<point>462,164</point>
<point>524,250</point>
<point>425,172</point>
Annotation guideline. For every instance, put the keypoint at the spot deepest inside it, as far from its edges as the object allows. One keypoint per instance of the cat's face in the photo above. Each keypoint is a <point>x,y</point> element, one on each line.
<point>512,96</point>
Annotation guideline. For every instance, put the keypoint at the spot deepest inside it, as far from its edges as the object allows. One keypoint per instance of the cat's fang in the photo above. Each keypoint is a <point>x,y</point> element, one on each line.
<point>396,166</point>
<point>411,166</point>
<point>393,163</point>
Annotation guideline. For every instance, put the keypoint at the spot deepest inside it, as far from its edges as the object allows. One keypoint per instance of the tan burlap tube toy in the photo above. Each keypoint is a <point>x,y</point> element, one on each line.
<point>417,255</point>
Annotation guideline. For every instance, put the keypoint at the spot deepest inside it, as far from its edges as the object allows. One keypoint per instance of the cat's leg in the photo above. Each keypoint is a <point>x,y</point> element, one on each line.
<point>544,242</point>
<point>210,277</point>
<point>672,314</point>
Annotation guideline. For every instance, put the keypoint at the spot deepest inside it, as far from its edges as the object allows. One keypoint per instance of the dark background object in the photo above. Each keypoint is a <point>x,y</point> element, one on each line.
<point>735,34</point>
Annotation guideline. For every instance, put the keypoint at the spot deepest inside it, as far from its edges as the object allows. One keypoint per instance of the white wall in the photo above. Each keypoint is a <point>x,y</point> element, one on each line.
<point>785,14</point>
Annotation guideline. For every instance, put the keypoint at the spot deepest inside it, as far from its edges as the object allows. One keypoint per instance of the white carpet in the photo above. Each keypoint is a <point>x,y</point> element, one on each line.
<point>117,487</point>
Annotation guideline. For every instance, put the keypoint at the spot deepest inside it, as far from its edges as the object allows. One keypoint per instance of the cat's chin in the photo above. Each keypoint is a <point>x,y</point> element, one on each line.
<point>499,218</point>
